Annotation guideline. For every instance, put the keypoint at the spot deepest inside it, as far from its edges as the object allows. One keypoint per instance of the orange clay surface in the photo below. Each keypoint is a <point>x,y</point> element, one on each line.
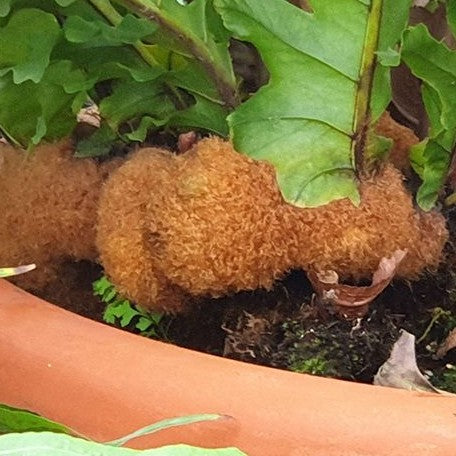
<point>105,383</point>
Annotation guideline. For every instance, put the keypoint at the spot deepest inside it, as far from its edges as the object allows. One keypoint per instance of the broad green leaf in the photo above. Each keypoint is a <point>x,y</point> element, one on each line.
<point>26,43</point>
<point>309,120</point>
<point>17,420</point>
<point>165,424</point>
<point>435,65</point>
<point>49,444</point>
<point>32,112</point>
<point>9,272</point>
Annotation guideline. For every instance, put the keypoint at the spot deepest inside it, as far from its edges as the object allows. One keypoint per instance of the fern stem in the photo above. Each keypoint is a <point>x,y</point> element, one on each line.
<point>194,45</point>
<point>364,92</point>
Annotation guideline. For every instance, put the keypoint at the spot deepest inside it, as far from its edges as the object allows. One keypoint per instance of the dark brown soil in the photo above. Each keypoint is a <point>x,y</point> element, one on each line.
<point>288,328</point>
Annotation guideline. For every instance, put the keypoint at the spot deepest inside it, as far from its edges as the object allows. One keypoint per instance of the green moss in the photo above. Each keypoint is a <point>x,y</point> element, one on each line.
<point>314,366</point>
<point>447,379</point>
<point>334,347</point>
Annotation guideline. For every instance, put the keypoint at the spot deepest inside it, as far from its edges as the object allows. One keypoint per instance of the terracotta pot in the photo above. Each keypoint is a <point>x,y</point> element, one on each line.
<point>104,383</point>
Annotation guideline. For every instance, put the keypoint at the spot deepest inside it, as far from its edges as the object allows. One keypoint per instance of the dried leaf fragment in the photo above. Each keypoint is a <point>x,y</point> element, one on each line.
<point>420,3</point>
<point>9,272</point>
<point>186,141</point>
<point>401,370</point>
<point>352,301</point>
<point>90,115</point>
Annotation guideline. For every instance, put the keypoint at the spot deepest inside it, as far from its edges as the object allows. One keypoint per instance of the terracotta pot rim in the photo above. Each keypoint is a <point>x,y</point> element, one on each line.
<point>104,383</point>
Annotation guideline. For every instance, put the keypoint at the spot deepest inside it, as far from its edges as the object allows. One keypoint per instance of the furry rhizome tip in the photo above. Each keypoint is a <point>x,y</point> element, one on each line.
<point>48,210</point>
<point>213,222</point>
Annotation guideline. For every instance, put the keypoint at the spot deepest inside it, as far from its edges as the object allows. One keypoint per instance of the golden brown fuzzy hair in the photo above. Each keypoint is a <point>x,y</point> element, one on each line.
<point>213,221</point>
<point>125,246</point>
<point>48,209</point>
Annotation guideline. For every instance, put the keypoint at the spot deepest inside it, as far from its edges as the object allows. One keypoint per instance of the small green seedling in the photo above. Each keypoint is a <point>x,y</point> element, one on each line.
<point>122,311</point>
<point>313,366</point>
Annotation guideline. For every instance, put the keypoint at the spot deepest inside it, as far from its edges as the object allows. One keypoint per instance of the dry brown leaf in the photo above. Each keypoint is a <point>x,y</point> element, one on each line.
<point>90,116</point>
<point>421,3</point>
<point>352,301</point>
<point>249,337</point>
<point>303,4</point>
<point>449,344</point>
<point>186,141</point>
<point>401,370</point>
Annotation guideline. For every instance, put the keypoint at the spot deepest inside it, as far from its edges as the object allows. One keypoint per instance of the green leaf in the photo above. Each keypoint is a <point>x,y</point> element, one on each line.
<point>156,317</point>
<point>101,286</point>
<point>109,314</point>
<point>109,294</point>
<point>108,62</point>
<point>309,120</point>
<point>203,114</point>
<point>65,2</point>
<point>435,65</point>
<point>146,123</point>
<point>164,424</point>
<point>130,30</point>
<point>5,7</point>
<point>121,309</point>
<point>17,420</point>
<point>390,57</point>
<point>26,43</point>
<point>31,112</point>
<point>131,100</point>
<point>78,30</point>
<point>97,144</point>
<point>144,323</point>
<point>65,62</point>
<point>49,444</point>
<point>417,157</point>
<point>196,32</point>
